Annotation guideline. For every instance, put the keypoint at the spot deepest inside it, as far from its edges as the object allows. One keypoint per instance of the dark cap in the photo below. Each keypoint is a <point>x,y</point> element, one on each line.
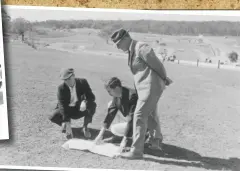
<point>65,73</point>
<point>118,35</point>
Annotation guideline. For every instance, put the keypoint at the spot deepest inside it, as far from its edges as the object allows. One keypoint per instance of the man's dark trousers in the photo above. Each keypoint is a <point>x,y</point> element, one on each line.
<point>75,113</point>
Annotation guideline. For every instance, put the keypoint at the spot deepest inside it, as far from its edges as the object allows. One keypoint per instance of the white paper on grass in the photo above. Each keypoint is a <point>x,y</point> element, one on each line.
<point>106,149</point>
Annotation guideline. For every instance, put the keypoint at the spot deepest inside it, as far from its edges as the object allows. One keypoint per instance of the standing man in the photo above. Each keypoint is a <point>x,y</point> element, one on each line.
<point>75,100</point>
<point>150,79</point>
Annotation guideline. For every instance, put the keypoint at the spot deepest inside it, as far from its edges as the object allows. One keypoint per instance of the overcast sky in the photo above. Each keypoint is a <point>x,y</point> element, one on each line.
<point>59,13</point>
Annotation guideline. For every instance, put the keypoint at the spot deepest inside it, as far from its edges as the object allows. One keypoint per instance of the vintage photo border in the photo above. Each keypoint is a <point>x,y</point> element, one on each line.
<point>4,128</point>
<point>179,12</point>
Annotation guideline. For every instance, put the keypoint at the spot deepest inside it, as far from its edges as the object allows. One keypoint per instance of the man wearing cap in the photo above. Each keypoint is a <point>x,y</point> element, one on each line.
<point>150,79</point>
<point>75,100</point>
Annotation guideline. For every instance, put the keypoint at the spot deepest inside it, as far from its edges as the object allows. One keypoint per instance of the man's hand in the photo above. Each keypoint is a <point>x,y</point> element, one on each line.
<point>83,105</point>
<point>67,127</point>
<point>168,81</point>
<point>99,138</point>
<point>128,118</point>
<point>123,144</point>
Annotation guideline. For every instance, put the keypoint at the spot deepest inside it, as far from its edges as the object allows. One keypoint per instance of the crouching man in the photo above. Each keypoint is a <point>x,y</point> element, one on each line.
<point>75,100</point>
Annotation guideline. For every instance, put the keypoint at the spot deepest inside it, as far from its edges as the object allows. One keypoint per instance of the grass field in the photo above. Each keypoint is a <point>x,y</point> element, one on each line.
<point>199,112</point>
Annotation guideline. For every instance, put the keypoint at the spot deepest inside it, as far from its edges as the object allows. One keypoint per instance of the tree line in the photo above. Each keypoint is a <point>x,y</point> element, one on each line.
<point>214,28</point>
<point>191,28</point>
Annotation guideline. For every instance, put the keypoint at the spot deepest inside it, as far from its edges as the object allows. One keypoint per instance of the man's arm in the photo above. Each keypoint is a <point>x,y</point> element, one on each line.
<point>88,91</point>
<point>63,107</point>
<point>112,111</point>
<point>150,58</point>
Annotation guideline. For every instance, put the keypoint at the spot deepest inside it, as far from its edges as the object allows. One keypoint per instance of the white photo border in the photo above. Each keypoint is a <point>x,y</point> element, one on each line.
<point>226,13</point>
<point>4,128</point>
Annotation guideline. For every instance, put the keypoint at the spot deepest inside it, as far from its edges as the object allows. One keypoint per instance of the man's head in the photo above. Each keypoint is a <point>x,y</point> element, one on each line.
<point>122,39</point>
<point>68,76</point>
<point>114,87</point>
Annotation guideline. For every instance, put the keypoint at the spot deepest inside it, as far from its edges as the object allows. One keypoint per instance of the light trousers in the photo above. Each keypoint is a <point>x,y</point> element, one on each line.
<point>142,121</point>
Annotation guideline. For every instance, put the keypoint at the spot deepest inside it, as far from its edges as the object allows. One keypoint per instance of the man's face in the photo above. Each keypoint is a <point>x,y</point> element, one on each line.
<point>115,92</point>
<point>70,81</point>
<point>124,44</point>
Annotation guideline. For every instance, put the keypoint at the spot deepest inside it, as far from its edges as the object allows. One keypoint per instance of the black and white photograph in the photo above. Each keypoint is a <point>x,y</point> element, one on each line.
<point>4,130</point>
<point>122,89</point>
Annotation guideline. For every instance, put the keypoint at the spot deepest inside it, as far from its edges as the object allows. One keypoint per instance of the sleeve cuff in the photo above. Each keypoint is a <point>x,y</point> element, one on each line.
<point>105,125</point>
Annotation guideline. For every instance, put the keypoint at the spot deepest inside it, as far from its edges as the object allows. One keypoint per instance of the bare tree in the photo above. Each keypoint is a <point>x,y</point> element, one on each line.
<point>20,26</point>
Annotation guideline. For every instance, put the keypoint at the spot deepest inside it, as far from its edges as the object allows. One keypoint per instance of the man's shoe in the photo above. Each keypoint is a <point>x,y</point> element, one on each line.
<point>131,155</point>
<point>86,132</point>
<point>64,129</point>
<point>69,136</point>
<point>155,144</point>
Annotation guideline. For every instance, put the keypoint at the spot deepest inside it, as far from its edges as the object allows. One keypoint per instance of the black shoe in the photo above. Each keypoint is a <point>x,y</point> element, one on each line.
<point>86,132</point>
<point>64,130</point>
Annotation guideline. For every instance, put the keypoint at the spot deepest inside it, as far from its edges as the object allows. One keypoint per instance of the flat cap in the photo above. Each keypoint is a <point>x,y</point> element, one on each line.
<point>65,73</point>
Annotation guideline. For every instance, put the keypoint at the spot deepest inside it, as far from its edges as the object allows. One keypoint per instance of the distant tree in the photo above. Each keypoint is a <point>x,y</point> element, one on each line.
<point>21,26</point>
<point>233,56</point>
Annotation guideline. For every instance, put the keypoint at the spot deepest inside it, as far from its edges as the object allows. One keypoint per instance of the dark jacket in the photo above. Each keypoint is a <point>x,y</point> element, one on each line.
<point>84,92</point>
<point>126,107</point>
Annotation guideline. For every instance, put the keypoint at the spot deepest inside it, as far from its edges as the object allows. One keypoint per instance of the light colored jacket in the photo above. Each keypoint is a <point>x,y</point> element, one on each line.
<point>147,69</point>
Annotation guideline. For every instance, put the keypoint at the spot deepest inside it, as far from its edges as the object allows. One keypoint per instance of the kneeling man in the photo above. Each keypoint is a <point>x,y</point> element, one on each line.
<point>75,100</point>
<point>125,100</point>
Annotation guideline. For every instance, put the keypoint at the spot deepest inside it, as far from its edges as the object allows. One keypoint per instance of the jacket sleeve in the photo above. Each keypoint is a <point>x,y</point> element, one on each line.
<point>112,111</point>
<point>62,104</point>
<point>149,57</point>
<point>90,97</point>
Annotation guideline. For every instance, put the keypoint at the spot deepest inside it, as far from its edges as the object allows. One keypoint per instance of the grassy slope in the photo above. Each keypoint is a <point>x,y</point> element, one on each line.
<point>200,112</point>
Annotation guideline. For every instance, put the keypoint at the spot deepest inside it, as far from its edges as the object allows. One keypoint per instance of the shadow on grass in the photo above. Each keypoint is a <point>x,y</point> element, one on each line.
<point>173,155</point>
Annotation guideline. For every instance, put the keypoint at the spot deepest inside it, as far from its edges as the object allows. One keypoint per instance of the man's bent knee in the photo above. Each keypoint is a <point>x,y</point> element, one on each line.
<point>92,108</point>
<point>56,118</point>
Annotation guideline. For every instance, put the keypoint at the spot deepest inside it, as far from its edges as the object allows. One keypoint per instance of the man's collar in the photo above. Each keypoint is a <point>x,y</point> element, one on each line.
<point>72,86</point>
<point>130,47</point>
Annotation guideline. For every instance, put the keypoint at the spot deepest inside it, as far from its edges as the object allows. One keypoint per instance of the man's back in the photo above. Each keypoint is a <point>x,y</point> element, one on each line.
<point>147,81</point>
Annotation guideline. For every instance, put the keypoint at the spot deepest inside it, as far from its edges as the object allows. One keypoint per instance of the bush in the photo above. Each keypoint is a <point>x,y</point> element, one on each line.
<point>163,44</point>
<point>233,56</point>
<point>31,44</point>
<point>41,32</point>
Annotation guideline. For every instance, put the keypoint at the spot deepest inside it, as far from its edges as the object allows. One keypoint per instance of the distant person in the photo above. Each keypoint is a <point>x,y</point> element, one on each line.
<point>124,100</point>
<point>150,79</point>
<point>75,100</point>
